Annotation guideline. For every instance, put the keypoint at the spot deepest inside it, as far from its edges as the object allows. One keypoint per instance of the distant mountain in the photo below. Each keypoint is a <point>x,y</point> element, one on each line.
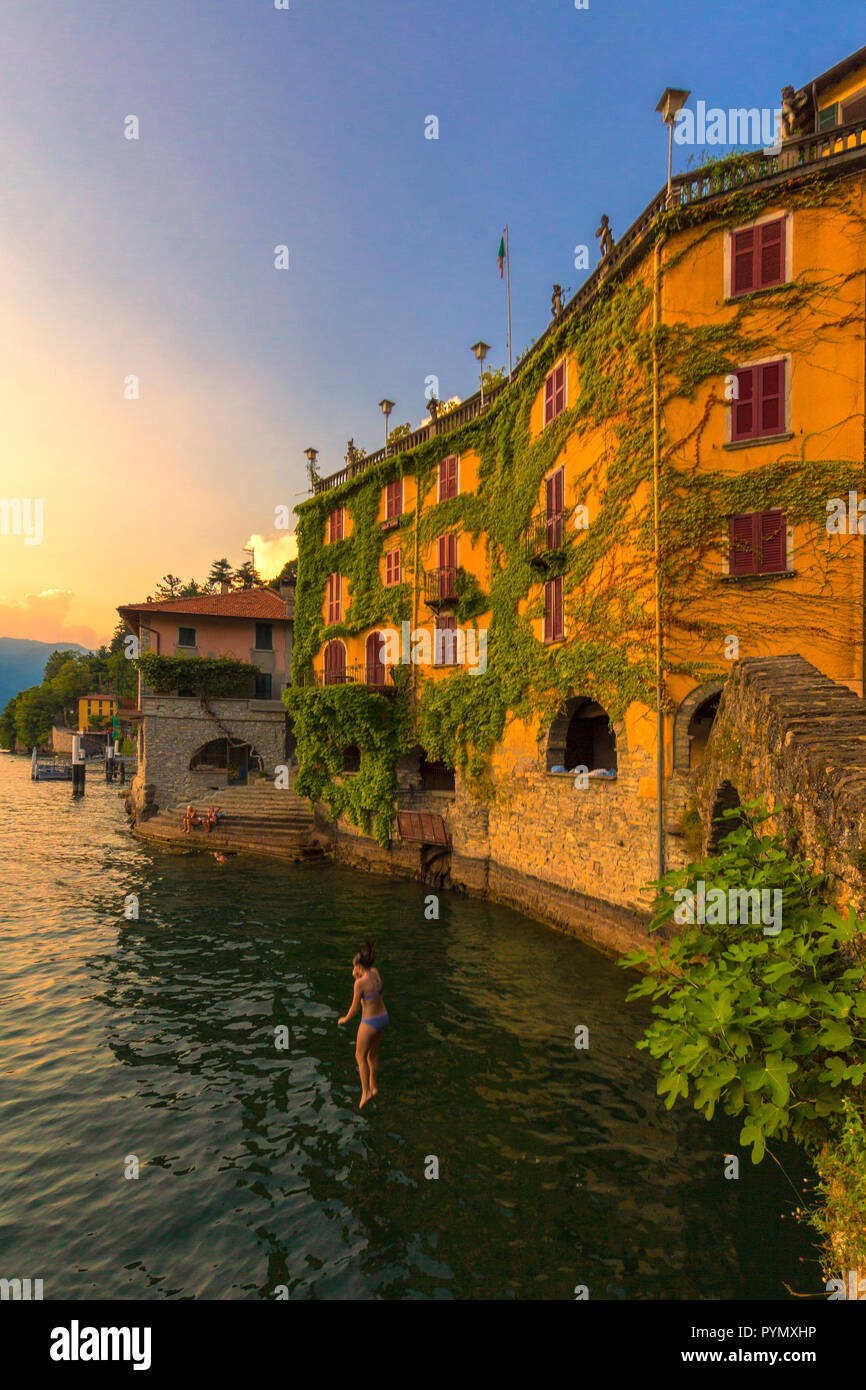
<point>22,663</point>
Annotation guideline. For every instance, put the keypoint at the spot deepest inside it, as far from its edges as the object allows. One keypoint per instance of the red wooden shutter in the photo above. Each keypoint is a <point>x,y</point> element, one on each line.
<point>771,378</point>
<point>559,389</point>
<point>335,531</point>
<point>553,625</point>
<point>548,398</point>
<point>448,477</point>
<point>743,261</point>
<point>743,553</point>
<point>375,673</point>
<point>394,498</point>
<point>335,663</point>
<point>335,597</point>
<point>392,567</point>
<point>774,548</point>
<point>445,640</point>
<point>558,625</point>
<point>771,254</point>
<point>554,499</point>
<point>743,409</point>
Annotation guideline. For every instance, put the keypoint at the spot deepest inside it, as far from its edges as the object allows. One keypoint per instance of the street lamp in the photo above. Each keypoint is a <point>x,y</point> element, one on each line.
<point>672,101</point>
<point>481,350</point>
<point>312,455</point>
<point>386,407</point>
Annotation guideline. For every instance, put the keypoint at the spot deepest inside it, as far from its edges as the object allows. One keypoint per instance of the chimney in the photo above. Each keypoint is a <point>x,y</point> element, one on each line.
<point>225,586</point>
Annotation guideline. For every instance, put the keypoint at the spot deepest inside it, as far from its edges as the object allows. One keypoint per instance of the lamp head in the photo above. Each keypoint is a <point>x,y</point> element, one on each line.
<point>481,350</point>
<point>671,101</point>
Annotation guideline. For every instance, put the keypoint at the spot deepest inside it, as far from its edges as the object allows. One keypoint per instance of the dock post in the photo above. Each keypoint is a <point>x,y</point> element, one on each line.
<point>79,767</point>
<point>33,765</point>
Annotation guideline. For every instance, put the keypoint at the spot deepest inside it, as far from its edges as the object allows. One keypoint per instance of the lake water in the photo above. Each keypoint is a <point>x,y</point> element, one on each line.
<point>156,1038</point>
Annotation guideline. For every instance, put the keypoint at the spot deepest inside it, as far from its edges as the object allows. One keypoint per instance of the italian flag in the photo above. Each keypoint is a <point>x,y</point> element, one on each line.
<point>500,256</point>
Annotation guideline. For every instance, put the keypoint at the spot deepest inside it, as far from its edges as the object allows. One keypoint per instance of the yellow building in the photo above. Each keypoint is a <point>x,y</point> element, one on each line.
<point>673,479</point>
<point>94,710</point>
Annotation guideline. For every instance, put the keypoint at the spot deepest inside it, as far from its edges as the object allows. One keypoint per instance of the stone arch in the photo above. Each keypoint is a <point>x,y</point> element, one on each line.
<point>727,798</point>
<point>686,719</point>
<point>232,758</point>
<point>581,735</point>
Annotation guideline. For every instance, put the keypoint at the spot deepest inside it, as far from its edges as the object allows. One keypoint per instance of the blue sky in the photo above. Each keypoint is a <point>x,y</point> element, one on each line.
<point>306,127</point>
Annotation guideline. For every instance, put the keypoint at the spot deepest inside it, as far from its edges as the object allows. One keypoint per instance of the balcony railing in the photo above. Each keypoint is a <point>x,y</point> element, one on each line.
<point>831,148</point>
<point>544,535</point>
<point>374,677</point>
<point>440,586</point>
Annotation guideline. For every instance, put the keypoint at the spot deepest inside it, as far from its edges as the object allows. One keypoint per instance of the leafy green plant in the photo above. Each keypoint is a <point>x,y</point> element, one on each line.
<point>770,1027</point>
<point>197,675</point>
<point>841,1169</point>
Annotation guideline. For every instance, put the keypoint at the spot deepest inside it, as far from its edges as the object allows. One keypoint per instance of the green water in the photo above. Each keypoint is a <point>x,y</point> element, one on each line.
<point>155,1038</point>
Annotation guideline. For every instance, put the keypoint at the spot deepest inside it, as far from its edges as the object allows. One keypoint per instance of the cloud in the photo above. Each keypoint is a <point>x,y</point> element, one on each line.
<point>272,552</point>
<point>44,617</point>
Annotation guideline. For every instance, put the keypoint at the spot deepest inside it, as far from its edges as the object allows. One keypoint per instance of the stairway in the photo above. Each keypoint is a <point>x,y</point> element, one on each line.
<point>257,819</point>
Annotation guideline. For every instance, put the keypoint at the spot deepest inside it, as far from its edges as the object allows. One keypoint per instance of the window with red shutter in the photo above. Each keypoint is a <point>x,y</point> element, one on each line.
<point>335,598</point>
<point>554,629</point>
<point>448,478</point>
<point>394,499</point>
<point>759,410</point>
<point>335,663</point>
<point>447,566</point>
<point>392,567</point>
<point>374,673</point>
<point>758,543</point>
<point>758,257</point>
<point>445,640</point>
<point>335,528</point>
<point>554,393</point>
<point>554,490</point>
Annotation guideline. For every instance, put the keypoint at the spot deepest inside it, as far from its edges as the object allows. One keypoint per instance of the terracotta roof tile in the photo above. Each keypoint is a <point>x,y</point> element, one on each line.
<point>263,604</point>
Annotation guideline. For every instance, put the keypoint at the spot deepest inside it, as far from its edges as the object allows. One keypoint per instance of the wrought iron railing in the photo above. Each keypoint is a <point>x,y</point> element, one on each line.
<point>372,675</point>
<point>544,535</point>
<point>440,585</point>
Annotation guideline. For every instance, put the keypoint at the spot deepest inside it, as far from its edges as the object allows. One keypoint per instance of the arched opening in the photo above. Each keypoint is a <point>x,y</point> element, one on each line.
<point>374,665</point>
<point>211,756</point>
<point>698,731</point>
<point>692,724</point>
<point>581,736</point>
<point>335,664</point>
<point>727,798</point>
<point>352,758</point>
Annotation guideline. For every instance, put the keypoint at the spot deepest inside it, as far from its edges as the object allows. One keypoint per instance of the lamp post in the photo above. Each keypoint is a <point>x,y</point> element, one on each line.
<point>481,350</point>
<point>386,407</point>
<point>312,455</point>
<point>672,101</point>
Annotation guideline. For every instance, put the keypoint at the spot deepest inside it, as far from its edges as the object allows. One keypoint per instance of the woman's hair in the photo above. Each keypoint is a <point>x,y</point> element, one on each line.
<point>366,955</point>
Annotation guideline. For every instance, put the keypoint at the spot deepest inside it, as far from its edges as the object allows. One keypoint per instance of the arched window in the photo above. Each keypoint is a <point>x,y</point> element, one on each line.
<point>581,736</point>
<point>374,673</point>
<point>335,664</point>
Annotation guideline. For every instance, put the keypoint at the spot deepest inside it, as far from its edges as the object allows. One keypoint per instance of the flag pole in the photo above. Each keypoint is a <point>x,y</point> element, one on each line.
<point>508,269</point>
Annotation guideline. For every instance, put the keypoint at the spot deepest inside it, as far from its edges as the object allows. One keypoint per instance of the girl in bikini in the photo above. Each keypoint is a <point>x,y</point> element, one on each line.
<point>368,995</point>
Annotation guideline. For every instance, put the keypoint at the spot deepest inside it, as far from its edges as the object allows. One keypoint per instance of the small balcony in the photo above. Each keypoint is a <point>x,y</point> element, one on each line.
<point>544,538</point>
<point>372,676</point>
<point>440,587</point>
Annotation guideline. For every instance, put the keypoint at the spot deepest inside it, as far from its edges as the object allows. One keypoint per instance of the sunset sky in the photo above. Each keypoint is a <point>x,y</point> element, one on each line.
<point>305,127</point>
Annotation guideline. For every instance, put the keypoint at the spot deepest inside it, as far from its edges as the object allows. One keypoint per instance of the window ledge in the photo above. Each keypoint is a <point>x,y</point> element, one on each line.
<point>762,439</point>
<point>553,641</point>
<point>772,576</point>
<point>759,294</point>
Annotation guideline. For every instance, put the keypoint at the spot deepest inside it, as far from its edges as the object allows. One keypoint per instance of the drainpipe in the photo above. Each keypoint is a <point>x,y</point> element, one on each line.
<point>416,576</point>
<point>660,746</point>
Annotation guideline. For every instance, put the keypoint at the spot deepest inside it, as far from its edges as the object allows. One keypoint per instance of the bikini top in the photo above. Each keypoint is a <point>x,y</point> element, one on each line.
<point>375,993</point>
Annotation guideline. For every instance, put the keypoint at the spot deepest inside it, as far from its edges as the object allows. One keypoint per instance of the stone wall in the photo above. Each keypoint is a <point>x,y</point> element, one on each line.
<point>175,728</point>
<point>797,739</point>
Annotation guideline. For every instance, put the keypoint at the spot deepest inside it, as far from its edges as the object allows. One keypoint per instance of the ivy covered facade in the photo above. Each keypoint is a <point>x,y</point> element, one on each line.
<point>671,455</point>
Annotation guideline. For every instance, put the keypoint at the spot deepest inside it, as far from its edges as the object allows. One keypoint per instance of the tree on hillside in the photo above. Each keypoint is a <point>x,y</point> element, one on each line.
<point>247,577</point>
<point>35,713</point>
<point>55,661</point>
<point>7,725</point>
